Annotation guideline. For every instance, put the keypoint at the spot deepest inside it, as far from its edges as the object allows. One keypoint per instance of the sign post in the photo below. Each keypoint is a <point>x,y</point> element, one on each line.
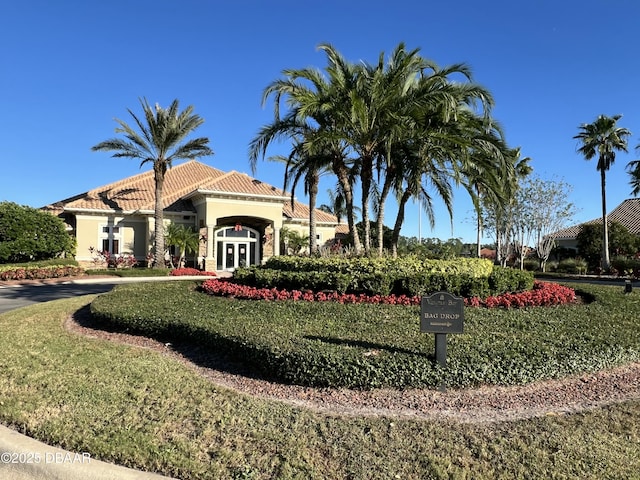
<point>441,313</point>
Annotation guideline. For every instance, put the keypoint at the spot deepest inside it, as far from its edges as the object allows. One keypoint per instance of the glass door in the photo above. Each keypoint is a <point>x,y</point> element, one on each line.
<point>236,248</point>
<point>243,255</point>
<point>230,256</point>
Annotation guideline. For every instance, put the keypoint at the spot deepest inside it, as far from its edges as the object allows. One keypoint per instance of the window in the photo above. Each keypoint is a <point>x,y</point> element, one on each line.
<point>110,239</point>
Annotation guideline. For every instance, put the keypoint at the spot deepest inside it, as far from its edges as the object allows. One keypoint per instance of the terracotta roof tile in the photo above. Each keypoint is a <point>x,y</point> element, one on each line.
<point>235,182</point>
<point>301,211</point>
<point>136,193</point>
<point>627,213</point>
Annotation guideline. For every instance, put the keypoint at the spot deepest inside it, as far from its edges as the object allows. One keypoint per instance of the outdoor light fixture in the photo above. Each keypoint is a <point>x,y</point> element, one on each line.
<point>627,286</point>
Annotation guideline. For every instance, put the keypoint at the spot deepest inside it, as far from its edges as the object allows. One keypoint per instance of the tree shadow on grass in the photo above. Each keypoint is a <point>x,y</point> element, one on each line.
<point>199,355</point>
<point>227,358</point>
<point>363,344</point>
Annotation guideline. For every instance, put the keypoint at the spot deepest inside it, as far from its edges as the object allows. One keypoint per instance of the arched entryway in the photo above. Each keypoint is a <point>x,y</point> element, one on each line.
<point>237,246</point>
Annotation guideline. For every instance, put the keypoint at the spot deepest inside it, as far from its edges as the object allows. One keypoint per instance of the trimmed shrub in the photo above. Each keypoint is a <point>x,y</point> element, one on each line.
<point>39,273</point>
<point>577,266</point>
<point>374,276</point>
<point>28,234</point>
<point>624,266</point>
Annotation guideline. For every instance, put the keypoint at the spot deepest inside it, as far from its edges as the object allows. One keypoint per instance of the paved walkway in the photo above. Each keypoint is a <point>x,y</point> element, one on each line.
<point>23,458</point>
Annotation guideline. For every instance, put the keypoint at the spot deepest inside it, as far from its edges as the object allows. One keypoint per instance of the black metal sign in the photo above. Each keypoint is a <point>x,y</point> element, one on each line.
<point>441,313</point>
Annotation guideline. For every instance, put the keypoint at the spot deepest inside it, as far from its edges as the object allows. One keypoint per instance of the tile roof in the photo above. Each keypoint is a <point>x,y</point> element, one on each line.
<point>137,193</point>
<point>627,213</point>
<point>240,183</point>
<point>301,211</point>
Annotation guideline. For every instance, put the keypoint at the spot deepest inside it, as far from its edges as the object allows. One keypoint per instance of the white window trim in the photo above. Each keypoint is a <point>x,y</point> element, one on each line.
<point>111,236</point>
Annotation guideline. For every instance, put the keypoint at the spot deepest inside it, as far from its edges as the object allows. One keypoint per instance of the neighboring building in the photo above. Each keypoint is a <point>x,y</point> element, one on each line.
<point>239,218</point>
<point>627,214</point>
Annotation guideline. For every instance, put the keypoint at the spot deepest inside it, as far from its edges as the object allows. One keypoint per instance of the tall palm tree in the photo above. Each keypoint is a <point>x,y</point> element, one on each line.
<point>603,138</point>
<point>424,106</point>
<point>161,139</point>
<point>302,165</point>
<point>371,118</point>
<point>311,120</point>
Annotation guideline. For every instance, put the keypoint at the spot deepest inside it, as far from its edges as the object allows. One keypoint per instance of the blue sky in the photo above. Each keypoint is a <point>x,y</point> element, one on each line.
<point>69,68</point>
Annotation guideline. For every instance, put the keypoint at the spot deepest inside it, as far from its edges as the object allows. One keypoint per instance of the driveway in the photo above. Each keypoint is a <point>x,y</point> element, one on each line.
<point>16,296</point>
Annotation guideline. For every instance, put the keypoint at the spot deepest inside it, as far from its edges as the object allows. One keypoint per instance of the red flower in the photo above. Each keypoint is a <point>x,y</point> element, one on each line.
<point>543,293</point>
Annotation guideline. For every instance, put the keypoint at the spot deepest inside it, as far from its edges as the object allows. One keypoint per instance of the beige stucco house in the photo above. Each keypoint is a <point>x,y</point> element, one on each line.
<point>240,218</point>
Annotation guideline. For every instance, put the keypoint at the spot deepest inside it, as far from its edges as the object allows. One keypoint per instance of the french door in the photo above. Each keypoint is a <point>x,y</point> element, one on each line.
<point>236,248</point>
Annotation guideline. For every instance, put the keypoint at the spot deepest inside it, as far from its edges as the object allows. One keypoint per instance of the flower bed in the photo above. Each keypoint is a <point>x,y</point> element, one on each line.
<point>542,294</point>
<point>190,272</point>
<point>40,273</point>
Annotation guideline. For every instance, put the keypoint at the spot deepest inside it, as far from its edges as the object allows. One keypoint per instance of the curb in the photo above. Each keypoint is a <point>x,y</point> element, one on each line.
<point>23,458</point>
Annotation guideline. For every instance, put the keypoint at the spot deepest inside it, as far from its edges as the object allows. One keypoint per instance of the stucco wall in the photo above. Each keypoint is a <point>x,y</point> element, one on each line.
<point>220,207</point>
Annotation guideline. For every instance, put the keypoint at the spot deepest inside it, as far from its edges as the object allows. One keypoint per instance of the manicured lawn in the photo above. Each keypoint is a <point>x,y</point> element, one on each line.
<point>138,408</point>
<point>330,344</point>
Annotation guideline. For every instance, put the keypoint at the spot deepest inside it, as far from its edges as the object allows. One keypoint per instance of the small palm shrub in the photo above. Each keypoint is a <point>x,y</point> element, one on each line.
<point>573,265</point>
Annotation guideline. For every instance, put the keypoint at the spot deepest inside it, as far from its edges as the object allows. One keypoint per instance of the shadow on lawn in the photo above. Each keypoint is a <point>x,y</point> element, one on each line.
<point>227,359</point>
<point>362,344</point>
<point>201,356</point>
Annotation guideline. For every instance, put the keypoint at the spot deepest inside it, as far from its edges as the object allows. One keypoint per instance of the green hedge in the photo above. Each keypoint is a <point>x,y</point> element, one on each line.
<point>354,266</point>
<point>385,276</point>
<point>56,262</point>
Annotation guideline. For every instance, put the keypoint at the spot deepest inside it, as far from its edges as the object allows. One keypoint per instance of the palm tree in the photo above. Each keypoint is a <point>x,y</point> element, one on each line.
<point>311,120</point>
<point>407,95</point>
<point>336,204</point>
<point>185,238</point>
<point>633,169</point>
<point>160,141</point>
<point>301,165</point>
<point>360,115</point>
<point>603,138</point>
<point>370,119</point>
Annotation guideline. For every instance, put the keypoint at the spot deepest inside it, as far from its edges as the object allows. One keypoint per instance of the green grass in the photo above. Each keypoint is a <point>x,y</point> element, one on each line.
<point>130,272</point>
<point>138,408</point>
<point>329,344</point>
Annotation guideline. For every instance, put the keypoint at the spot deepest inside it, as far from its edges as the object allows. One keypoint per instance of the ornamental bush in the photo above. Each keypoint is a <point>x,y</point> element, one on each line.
<point>40,273</point>
<point>28,234</point>
<point>385,276</point>
<point>187,271</point>
<point>541,294</point>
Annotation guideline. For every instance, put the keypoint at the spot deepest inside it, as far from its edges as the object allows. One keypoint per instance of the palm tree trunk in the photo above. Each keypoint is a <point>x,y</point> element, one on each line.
<point>406,195</point>
<point>386,188</point>
<point>314,180</point>
<point>478,235</point>
<point>340,169</point>
<point>158,254</point>
<point>605,227</point>
<point>478,205</point>
<point>366,176</point>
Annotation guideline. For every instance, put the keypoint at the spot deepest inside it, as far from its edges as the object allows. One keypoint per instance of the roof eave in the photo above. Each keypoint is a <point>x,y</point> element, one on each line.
<point>244,196</point>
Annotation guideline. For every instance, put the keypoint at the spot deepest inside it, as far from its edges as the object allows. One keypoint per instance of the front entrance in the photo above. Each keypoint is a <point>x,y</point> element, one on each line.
<point>236,247</point>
